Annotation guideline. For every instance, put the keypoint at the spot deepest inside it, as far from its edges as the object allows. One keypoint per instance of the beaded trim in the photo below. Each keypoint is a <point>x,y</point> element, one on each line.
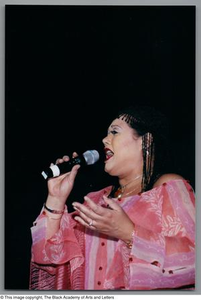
<point>130,243</point>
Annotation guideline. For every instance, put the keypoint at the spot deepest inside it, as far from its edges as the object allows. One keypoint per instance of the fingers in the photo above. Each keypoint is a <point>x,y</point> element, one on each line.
<point>61,160</point>
<point>73,173</point>
<point>97,209</point>
<point>65,158</point>
<point>88,223</point>
<point>111,204</point>
<point>85,213</point>
<point>75,154</point>
<point>69,176</point>
<point>92,211</point>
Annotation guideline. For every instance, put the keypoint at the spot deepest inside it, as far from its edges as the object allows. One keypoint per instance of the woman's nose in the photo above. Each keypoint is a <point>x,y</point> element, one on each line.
<point>106,140</point>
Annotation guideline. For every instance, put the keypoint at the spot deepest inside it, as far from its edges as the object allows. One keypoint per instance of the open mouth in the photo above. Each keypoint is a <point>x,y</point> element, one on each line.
<point>108,153</point>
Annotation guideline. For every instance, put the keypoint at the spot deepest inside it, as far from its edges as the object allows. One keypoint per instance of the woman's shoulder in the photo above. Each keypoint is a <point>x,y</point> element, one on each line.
<point>167,177</point>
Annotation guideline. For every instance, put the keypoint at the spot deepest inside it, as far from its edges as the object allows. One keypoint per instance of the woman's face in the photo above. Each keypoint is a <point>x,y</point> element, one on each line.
<point>123,150</point>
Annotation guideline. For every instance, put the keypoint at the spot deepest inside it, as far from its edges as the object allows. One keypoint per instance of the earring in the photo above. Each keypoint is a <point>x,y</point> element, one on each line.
<point>148,159</point>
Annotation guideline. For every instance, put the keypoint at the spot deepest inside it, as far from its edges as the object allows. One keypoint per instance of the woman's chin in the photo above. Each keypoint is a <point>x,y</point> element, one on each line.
<point>110,171</point>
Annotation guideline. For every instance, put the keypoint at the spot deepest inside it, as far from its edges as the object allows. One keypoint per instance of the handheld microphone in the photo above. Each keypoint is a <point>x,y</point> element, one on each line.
<point>89,157</point>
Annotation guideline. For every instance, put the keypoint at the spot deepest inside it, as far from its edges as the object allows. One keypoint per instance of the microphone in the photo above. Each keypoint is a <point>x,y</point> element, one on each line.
<point>89,157</point>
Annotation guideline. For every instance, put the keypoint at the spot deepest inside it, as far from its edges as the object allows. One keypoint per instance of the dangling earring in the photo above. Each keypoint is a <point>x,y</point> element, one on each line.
<point>148,159</point>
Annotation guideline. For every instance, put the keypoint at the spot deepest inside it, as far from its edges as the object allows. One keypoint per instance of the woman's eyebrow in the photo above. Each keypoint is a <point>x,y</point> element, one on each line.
<point>112,126</point>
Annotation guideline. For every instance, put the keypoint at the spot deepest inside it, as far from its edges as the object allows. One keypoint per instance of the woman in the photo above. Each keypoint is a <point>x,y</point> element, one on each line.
<point>139,235</point>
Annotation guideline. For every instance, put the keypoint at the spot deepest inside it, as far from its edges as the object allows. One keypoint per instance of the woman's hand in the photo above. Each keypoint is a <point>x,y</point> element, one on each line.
<point>60,187</point>
<point>112,221</point>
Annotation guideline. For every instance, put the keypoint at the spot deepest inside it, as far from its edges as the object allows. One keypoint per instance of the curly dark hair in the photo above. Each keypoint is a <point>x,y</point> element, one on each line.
<point>144,120</point>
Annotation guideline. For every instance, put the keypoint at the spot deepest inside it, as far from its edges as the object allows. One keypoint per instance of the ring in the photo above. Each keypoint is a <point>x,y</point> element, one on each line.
<point>91,223</point>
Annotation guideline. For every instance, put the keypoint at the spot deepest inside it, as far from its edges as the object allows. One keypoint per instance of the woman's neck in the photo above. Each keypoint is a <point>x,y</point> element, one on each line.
<point>130,180</point>
<point>129,186</point>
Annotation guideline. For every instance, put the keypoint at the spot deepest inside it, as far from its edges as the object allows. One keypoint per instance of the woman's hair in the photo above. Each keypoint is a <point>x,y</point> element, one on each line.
<point>153,126</point>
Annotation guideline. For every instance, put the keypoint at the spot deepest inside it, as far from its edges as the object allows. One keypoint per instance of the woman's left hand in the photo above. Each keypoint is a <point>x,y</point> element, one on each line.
<point>110,220</point>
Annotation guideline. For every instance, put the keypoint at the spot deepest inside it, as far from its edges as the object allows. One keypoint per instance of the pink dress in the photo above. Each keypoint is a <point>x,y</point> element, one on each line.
<point>162,254</point>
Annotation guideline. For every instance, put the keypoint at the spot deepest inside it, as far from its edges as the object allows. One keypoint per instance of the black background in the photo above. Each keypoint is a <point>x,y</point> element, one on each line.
<point>68,70</point>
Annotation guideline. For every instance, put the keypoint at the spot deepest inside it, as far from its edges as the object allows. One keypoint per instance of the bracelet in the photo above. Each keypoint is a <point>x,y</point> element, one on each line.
<point>53,211</point>
<point>48,216</point>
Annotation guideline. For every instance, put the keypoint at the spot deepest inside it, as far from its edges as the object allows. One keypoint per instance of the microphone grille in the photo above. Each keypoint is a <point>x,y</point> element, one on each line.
<point>91,157</point>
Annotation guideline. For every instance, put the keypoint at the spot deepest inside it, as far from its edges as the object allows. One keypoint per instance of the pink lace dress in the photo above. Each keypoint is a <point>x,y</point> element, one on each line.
<point>162,254</point>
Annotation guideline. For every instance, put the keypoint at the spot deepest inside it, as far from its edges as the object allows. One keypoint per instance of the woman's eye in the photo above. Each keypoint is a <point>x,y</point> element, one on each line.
<point>113,132</point>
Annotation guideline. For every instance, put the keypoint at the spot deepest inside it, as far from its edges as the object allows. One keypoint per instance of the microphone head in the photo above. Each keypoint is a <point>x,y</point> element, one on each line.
<point>91,157</point>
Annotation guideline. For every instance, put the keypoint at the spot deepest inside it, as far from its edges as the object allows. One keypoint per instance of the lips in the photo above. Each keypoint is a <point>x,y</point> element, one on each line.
<point>108,153</point>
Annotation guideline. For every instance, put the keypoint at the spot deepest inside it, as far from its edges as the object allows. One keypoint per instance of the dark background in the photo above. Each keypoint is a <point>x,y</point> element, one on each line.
<point>68,70</point>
